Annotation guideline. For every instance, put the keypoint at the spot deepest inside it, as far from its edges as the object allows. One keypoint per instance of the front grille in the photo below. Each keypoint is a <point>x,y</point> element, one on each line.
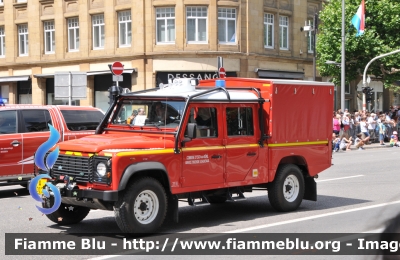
<point>78,167</point>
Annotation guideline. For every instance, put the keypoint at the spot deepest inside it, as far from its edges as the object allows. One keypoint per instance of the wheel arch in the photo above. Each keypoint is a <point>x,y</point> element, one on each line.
<point>310,191</point>
<point>155,170</point>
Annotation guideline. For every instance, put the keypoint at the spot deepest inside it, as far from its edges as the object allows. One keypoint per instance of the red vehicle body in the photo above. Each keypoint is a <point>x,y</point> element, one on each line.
<point>23,128</point>
<point>203,144</point>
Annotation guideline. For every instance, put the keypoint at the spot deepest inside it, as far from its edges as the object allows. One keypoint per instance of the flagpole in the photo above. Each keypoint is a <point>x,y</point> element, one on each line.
<point>342,81</point>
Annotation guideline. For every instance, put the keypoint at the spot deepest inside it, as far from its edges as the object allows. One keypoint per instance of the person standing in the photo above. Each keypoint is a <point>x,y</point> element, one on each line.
<point>336,124</point>
<point>364,130</point>
<point>346,125</point>
<point>372,126</point>
<point>382,130</point>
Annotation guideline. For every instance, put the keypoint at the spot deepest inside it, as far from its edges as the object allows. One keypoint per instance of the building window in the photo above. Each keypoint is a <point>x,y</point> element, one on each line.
<point>98,31</point>
<point>1,2</point>
<point>165,19</point>
<point>49,37</point>
<point>196,19</point>
<point>310,38</point>
<point>73,34</point>
<point>125,28</point>
<point>226,25</point>
<point>284,32</point>
<point>269,31</point>
<point>23,39</point>
<point>2,42</point>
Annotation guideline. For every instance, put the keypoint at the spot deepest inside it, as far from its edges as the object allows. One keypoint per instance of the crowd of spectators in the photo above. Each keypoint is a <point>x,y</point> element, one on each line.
<point>362,128</point>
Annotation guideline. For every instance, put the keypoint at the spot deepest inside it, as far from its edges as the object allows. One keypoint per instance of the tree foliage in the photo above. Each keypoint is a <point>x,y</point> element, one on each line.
<point>382,21</point>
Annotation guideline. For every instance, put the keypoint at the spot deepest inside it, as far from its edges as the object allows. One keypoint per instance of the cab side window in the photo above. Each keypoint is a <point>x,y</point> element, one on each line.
<point>206,121</point>
<point>36,120</point>
<point>239,121</point>
<point>8,122</point>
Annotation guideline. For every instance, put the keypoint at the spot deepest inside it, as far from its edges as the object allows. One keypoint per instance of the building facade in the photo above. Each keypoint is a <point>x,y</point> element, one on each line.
<point>154,39</point>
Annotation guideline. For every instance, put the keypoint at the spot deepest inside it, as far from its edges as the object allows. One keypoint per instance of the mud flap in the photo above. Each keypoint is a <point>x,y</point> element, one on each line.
<point>173,213</point>
<point>310,192</point>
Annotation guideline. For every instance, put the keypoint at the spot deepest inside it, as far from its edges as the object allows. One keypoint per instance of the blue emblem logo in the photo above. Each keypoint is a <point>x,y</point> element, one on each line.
<point>37,188</point>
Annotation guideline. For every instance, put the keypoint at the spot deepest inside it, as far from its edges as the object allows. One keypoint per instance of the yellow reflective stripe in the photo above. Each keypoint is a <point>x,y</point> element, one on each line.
<point>108,154</point>
<point>73,153</point>
<point>266,85</point>
<point>141,152</point>
<point>297,144</point>
<point>203,148</point>
<point>242,145</point>
<point>90,154</point>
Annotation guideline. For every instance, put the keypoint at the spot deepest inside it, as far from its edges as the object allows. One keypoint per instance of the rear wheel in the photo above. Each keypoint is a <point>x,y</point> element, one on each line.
<point>66,214</point>
<point>286,192</point>
<point>142,208</point>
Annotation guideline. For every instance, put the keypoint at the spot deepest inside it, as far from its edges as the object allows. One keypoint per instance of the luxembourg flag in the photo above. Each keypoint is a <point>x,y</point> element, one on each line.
<point>358,19</point>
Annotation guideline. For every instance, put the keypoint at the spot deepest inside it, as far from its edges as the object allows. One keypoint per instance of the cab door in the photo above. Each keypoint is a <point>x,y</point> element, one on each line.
<point>10,144</point>
<point>204,156</point>
<point>35,131</point>
<point>242,149</point>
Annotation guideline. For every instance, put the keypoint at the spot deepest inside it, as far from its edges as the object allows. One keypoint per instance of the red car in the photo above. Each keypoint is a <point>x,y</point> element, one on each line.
<point>23,128</point>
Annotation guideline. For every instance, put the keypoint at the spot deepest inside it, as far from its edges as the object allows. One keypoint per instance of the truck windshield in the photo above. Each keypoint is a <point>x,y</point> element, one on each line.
<point>149,113</point>
<point>82,120</point>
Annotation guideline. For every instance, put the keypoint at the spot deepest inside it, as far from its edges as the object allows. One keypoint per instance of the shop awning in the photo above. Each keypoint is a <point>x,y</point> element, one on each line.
<point>14,78</point>
<point>89,73</point>
<point>279,74</point>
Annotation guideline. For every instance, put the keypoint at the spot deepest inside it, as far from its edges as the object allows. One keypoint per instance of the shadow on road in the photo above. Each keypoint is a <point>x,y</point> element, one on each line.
<point>14,192</point>
<point>256,207</point>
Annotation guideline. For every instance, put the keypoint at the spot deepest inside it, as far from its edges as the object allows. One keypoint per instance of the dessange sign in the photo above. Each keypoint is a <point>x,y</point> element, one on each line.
<point>163,77</point>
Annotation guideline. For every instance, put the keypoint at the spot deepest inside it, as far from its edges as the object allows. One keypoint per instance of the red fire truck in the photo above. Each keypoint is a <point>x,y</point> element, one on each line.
<point>203,143</point>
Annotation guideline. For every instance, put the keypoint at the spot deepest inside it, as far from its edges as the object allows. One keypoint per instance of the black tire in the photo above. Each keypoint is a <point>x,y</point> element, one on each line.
<point>216,199</point>
<point>294,193</point>
<point>150,213</point>
<point>66,214</point>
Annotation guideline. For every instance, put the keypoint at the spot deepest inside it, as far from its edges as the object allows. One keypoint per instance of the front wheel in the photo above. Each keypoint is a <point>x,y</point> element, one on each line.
<point>142,208</point>
<point>286,192</point>
<point>66,214</point>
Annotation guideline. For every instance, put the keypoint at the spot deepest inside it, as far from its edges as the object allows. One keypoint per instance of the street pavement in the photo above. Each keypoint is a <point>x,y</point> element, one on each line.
<point>359,193</point>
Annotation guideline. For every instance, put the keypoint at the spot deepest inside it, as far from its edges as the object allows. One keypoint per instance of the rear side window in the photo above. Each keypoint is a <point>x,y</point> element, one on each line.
<point>81,120</point>
<point>36,120</point>
<point>8,122</point>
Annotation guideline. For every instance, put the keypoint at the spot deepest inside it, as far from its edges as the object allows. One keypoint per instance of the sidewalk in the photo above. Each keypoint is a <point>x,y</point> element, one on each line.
<point>373,146</point>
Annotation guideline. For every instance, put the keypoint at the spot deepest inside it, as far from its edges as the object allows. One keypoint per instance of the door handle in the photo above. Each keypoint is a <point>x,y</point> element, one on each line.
<point>15,143</point>
<point>251,154</point>
<point>216,156</point>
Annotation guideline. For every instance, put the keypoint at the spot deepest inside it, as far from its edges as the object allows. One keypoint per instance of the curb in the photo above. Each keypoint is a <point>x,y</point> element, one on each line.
<point>371,146</point>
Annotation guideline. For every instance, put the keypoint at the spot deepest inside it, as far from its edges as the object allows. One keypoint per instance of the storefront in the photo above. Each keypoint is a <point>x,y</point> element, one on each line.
<point>16,89</point>
<point>98,84</point>
<point>164,76</point>
<point>279,74</point>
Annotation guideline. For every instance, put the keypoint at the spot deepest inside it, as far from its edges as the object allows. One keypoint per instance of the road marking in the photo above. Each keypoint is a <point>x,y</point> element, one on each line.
<point>23,196</point>
<point>313,217</point>
<point>348,177</point>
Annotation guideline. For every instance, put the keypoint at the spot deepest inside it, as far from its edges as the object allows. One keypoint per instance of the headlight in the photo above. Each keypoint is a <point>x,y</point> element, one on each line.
<point>101,169</point>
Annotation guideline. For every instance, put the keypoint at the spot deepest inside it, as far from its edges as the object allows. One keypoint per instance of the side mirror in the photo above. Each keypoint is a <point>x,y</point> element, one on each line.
<point>192,130</point>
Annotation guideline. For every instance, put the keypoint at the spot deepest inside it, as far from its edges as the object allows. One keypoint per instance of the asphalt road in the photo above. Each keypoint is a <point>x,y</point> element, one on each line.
<point>359,193</point>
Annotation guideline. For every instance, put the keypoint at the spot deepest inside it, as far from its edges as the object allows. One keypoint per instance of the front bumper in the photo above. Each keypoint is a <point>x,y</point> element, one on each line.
<point>82,194</point>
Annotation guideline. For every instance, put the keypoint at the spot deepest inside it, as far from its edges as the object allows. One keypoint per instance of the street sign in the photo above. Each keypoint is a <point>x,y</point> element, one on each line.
<point>117,68</point>
<point>118,78</point>
<point>222,73</point>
